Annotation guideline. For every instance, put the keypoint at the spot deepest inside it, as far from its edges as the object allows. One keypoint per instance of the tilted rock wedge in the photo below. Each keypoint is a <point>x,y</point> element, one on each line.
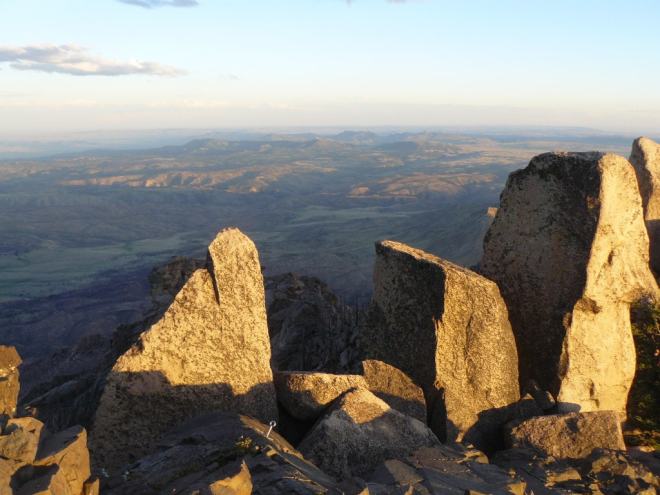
<point>645,157</point>
<point>569,251</point>
<point>394,387</point>
<point>448,329</point>
<point>209,352</point>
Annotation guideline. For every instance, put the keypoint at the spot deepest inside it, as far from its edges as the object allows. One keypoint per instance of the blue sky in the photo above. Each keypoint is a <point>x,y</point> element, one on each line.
<point>111,64</point>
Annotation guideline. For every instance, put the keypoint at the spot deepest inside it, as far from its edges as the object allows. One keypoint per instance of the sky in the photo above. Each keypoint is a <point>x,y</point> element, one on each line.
<point>73,65</point>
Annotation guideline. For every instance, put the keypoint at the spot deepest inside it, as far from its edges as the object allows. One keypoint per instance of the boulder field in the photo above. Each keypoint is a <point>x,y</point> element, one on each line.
<point>509,379</point>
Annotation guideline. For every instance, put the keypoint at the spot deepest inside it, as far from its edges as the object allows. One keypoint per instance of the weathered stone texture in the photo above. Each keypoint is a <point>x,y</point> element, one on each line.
<point>360,431</point>
<point>9,380</point>
<point>311,329</point>
<point>569,251</point>
<point>306,394</point>
<point>208,352</point>
<point>448,329</point>
<point>645,157</point>
<point>572,435</point>
<point>394,387</point>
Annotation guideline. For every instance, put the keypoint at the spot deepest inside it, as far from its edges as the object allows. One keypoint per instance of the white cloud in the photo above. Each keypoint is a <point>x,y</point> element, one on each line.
<point>151,4</point>
<point>77,61</point>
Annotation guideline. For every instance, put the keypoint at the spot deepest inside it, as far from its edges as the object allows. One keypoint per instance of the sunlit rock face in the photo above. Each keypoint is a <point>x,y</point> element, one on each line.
<point>569,251</point>
<point>448,329</point>
<point>209,352</point>
<point>645,157</point>
<point>9,380</point>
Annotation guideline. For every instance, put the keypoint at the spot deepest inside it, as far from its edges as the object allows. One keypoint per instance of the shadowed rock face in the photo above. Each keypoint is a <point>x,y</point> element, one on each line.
<point>394,387</point>
<point>305,394</point>
<point>645,157</point>
<point>448,329</point>
<point>208,352</point>
<point>220,452</point>
<point>569,251</point>
<point>311,329</point>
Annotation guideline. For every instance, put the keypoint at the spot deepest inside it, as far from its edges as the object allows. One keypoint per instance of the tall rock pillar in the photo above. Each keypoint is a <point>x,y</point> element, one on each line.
<point>569,251</point>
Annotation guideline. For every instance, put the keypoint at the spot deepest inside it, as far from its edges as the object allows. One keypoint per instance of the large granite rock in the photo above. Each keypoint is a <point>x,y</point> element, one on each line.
<point>571,435</point>
<point>569,251</point>
<point>448,329</point>
<point>358,432</point>
<point>208,352</point>
<point>645,157</point>
<point>394,387</point>
<point>305,395</point>
<point>9,380</point>
<point>311,329</point>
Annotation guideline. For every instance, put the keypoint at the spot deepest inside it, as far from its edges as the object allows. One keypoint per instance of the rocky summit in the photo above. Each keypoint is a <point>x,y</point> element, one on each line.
<point>645,157</point>
<point>508,381</point>
<point>447,328</point>
<point>208,352</point>
<point>569,251</point>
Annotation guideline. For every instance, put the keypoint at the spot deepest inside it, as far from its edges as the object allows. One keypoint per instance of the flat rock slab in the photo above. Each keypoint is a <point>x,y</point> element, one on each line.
<point>360,431</point>
<point>305,395</point>
<point>210,351</point>
<point>572,435</point>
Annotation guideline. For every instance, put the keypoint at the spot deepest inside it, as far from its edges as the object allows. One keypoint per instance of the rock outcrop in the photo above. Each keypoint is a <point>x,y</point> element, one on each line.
<point>645,157</point>
<point>9,380</point>
<point>569,251</point>
<point>208,352</point>
<point>448,329</point>
<point>222,451</point>
<point>602,472</point>
<point>35,462</point>
<point>358,432</point>
<point>311,329</point>
<point>571,435</point>
<point>32,460</point>
<point>305,395</point>
<point>394,387</point>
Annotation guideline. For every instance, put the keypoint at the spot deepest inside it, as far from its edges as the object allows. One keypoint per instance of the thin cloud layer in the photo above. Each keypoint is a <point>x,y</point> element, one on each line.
<point>76,61</point>
<point>152,4</point>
